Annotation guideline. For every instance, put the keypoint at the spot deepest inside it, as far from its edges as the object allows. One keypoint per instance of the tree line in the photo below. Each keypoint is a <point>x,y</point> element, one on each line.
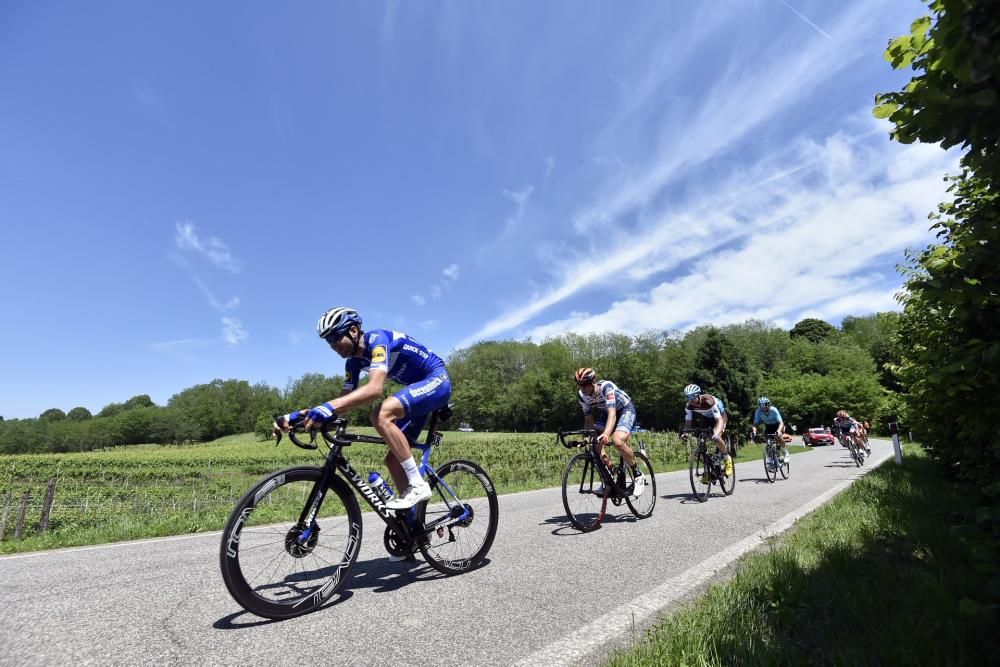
<point>809,372</point>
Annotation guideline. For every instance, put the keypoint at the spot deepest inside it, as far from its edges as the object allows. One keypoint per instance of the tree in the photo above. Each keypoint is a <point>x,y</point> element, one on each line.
<point>52,415</point>
<point>812,330</point>
<point>877,335</point>
<point>140,401</point>
<point>949,332</point>
<point>952,99</point>
<point>78,414</point>
<point>720,367</point>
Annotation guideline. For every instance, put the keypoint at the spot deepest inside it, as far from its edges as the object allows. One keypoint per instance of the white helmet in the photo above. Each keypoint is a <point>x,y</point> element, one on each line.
<point>692,390</point>
<point>336,322</point>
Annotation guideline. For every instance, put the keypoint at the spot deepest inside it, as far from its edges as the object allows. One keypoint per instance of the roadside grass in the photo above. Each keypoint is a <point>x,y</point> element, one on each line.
<point>154,490</point>
<point>875,577</point>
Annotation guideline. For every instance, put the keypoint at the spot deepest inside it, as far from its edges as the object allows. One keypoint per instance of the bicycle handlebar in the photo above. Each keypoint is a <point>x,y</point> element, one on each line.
<point>589,436</point>
<point>324,430</point>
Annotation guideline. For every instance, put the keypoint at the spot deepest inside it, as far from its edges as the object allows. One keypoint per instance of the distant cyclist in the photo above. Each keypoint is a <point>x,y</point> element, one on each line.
<point>382,354</point>
<point>709,408</point>
<point>773,424</point>
<point>603,396</point>
<point>847,428</point>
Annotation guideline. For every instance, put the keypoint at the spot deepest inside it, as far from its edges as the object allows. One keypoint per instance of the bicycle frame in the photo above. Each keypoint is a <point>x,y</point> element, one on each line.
<point>590,442</point>
<point>705,436</point>
<point>400,521</point>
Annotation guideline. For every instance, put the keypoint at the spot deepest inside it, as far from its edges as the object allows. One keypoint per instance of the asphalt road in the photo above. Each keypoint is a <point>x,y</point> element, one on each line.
<point>548,595</point>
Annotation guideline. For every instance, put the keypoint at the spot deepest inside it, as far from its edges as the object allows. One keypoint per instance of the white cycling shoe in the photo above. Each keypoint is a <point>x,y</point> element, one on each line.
<point>414,494</point>
<point>639,485</point>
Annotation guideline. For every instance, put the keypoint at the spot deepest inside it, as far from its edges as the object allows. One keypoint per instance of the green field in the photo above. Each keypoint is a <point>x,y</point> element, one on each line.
<point>156,490</point>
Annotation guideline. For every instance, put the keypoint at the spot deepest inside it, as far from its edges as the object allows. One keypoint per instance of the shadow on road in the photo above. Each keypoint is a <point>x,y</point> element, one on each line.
<point>379,574</point>
<point>566,529</point>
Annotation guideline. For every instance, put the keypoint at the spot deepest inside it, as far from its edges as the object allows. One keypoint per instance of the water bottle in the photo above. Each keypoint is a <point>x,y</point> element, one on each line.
<point>380,486</point>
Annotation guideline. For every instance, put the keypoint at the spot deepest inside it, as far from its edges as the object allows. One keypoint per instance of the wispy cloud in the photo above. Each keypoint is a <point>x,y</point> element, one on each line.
<point>212,249</point>
<point>233,333</point>
<point>733,106</point>
<point>822,244</point>
<point>216,252</point>
<point>806,19</point>
<point>520,198</point>
<point>449,275</point>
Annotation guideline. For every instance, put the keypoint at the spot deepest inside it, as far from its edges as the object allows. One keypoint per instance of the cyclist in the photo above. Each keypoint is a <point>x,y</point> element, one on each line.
<point>773,424</point>
<point>708,407</point>
<point>383,354</point>
<point>604,396</point>
<point>847,427</point>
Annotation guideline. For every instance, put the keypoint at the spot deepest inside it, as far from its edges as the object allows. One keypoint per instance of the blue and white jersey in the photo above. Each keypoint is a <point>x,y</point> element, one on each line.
<point>402,358</point>
<point>771,417</point>
<point>846,425</point>
<point>711,409</point>
<point>606,395</point>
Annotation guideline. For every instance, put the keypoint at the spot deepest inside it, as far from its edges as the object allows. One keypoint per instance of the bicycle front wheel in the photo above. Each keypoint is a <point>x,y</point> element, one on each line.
<point>641,505</point>
<point>770,464</point>
<point>701,478</point>
<point>278,567</point>
<point>462,515</point>
<point>580,483</point>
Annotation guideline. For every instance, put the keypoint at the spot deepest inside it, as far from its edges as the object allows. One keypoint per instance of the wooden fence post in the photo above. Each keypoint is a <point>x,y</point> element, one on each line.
<point>6,511</point>
<point>50,494</point>
<point>20,515</point>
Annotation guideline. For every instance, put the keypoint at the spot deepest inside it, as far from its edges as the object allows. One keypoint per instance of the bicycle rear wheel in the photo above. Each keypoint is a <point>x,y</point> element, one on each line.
<point>641,505</point>
<point>770,464</point>
<point>276,567</point>
<point>698,468</point>
<point>584,507</point>
<point>463,513</point>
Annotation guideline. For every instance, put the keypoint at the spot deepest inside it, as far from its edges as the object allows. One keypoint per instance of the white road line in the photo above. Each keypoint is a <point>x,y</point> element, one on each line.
<point>620,622</point>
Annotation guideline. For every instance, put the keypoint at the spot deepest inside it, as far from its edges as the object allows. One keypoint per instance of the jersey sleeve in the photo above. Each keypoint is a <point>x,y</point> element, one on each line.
<point>608,391</point>
<point>352,373</point>
<point>757,416</point>
<point>583,404</point>
<point>777,416</point>
<point>378,346</point>
<point>688,414</point>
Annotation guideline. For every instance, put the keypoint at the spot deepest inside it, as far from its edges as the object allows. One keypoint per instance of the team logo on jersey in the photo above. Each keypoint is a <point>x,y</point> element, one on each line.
<point>378,354</point>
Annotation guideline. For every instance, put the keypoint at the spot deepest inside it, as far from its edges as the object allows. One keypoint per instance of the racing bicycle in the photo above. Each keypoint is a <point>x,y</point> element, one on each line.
<point>588,482</point>
<point>857,454</point>
<point>292,539</point>
<point>706,466</point>
<point>772,453</point>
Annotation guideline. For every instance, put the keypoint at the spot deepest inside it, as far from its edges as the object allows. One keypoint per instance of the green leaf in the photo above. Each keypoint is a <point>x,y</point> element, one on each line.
<point>920,27</point>
<point>885,110</point>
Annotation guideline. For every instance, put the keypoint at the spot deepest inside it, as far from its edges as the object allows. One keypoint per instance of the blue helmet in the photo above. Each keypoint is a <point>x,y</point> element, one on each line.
<point>692,390</point>
<point>336,321</point>
<point>763,401</point>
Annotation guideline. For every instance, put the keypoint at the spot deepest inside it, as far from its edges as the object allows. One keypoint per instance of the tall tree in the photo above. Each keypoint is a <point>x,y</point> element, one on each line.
<point>812,330</point>
<point>721,367</point>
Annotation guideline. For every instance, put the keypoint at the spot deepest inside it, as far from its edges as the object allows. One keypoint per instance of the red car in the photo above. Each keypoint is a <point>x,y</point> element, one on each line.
<point>817,436</point>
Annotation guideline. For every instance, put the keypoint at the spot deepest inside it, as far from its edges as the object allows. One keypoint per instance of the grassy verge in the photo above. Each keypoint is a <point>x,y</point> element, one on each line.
<point>875,577</point>
<point>153,491</point>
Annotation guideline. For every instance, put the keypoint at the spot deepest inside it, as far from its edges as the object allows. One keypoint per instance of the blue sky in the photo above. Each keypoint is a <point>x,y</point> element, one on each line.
<point>186,186</point>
